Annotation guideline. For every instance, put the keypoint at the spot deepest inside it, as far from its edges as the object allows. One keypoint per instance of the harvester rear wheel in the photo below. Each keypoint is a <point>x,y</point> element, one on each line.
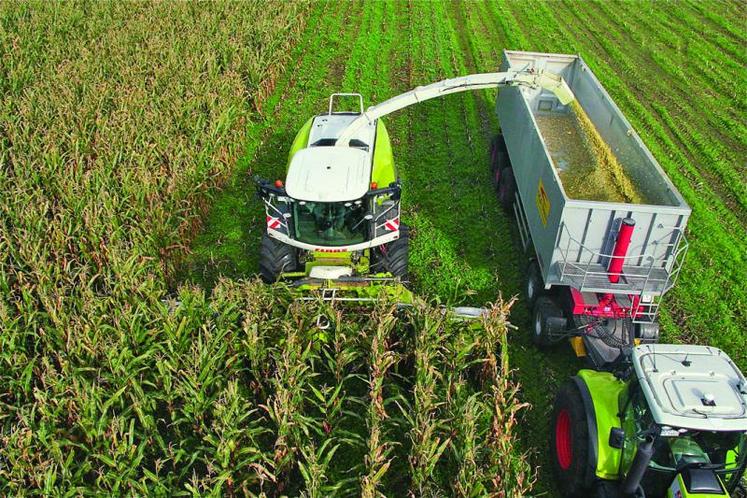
<point>275,258</point>
<point>507,188</point>
<point>393,257</point>
<point>569,441</point>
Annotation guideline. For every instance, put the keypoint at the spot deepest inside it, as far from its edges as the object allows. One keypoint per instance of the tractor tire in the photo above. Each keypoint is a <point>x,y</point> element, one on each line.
<point>507,189</point>
<point>547,321</point>
<point>534,285</point>
<point>498,158</point>
<point>393,257</point>
<point>569,442</point>
<point>275,258</point>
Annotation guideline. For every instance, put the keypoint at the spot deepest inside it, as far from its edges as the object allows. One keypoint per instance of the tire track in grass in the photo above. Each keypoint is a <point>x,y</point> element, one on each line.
<point>706,297</point>
<point>697,57</point>
<point>724,179</point>
<point>708,15</point>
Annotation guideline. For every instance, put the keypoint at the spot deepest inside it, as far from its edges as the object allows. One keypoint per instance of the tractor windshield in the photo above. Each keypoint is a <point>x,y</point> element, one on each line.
<point>330,223</point>
<point>724,452</point>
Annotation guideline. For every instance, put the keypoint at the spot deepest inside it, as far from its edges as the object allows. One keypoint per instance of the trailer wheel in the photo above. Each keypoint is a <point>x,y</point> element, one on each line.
<point>547,321</point>
<point>275,258</point>
<point>569,441</point>
<point>498,157</point>
<point>393,257</point>
<point>534,286</point>
<point>507,189</point>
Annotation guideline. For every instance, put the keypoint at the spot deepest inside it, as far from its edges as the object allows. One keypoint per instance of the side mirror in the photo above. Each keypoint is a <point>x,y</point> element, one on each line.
<point>617,436</point>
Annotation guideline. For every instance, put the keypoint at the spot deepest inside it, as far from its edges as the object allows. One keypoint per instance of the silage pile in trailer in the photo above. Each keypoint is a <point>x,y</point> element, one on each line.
<point>245,393</point>
<point>587,166</point>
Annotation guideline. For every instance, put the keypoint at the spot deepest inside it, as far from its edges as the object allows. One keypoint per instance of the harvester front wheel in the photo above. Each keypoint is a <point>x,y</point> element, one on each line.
<point>393,257</point>
<point>569,441</point>
<point>275,258</point>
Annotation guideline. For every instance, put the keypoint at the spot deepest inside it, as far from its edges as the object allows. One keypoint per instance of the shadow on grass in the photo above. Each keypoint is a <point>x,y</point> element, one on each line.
<point>228,245</point>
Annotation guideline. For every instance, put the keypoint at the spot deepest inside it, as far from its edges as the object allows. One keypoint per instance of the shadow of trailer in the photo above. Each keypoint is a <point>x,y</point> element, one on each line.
<point>597,270</point>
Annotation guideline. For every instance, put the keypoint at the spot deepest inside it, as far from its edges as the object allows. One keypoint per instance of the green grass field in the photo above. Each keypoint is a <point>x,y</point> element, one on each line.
<point>128,139</point>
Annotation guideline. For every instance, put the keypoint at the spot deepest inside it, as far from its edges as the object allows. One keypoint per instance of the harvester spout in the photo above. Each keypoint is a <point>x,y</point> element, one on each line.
<point>525,77</point>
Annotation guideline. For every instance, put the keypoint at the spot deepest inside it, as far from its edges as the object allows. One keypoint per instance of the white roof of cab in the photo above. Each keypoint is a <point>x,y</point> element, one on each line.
<point>329,126</point>
<point>328,174</point>
<point>692,387</point>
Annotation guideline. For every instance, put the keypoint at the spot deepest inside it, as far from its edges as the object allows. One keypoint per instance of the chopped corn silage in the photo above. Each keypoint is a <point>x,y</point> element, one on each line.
<point>587,166</point>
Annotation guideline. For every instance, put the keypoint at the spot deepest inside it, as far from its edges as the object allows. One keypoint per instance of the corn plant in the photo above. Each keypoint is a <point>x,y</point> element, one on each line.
<point>381,359</point>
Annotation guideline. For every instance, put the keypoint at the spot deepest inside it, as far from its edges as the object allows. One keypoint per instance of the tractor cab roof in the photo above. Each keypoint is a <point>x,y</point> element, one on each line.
<point>322,172</point>
<point>692,387</point>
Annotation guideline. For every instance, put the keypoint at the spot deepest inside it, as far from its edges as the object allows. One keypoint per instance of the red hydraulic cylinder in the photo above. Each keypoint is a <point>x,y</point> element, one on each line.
<point>620,250</point>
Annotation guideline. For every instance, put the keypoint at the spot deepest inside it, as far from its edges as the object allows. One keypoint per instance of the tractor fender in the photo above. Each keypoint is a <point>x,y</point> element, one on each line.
<point>600,392</point>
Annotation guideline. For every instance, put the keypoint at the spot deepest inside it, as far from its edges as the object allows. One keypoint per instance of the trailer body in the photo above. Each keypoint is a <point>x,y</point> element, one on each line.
<point>573,239</point>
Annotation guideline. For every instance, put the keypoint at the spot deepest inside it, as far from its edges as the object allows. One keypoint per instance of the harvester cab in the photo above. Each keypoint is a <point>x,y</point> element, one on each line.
<point>671,423</point>
<point>336,217</point>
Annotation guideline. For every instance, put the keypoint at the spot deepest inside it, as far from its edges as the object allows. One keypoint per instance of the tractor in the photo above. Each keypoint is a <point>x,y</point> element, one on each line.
<point>669,421</point>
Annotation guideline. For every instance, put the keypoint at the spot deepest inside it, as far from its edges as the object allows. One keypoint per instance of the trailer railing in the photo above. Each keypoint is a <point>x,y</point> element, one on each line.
<point>643,275</point>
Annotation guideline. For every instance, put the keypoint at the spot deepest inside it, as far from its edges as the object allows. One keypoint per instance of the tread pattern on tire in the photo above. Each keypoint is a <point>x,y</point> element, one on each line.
<point>545,307</point>
<point>533,273</point>
<point>571,482</point>
<point>507,189</point>
<point>394,256</point>
<point>275,258</point>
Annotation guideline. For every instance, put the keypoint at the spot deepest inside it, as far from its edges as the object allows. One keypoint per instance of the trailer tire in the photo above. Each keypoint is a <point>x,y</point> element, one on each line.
<point>394,257</point>
<point>534,286</point>
<point>569,441</point>
<point>547,321</point>
<point>498,157</point>
<point>507,189</point>
<point>275,258</point>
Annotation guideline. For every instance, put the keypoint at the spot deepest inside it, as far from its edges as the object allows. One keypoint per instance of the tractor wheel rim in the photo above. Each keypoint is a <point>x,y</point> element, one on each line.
<point>537,325</point>
<point>563,441</point>
<point>497,176</point>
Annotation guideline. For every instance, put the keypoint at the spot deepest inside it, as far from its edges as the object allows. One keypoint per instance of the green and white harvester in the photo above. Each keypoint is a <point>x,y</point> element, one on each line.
<point>334,223</point>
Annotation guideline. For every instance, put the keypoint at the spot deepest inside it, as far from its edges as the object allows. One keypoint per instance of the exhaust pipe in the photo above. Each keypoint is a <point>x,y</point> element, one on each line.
<point>621,249</point>
<point>640,463</point>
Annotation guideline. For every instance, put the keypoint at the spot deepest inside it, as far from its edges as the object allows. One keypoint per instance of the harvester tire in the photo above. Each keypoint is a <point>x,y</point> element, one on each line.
<point>507,189</point>
<point>393,257</point>
<point>275,258</point>
<point>534,286</point>
<point>547,321</point>
<point>569,441</point>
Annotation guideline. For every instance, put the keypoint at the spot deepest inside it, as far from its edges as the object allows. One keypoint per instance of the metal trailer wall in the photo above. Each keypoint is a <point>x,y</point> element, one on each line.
<point>565,230</point>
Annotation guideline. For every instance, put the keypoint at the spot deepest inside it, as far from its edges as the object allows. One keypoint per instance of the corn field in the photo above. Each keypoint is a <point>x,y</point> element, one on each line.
<point>118,122</point>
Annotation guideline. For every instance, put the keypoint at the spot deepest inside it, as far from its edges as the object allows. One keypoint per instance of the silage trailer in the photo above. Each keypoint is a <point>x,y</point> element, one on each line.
<point>597,270</point>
